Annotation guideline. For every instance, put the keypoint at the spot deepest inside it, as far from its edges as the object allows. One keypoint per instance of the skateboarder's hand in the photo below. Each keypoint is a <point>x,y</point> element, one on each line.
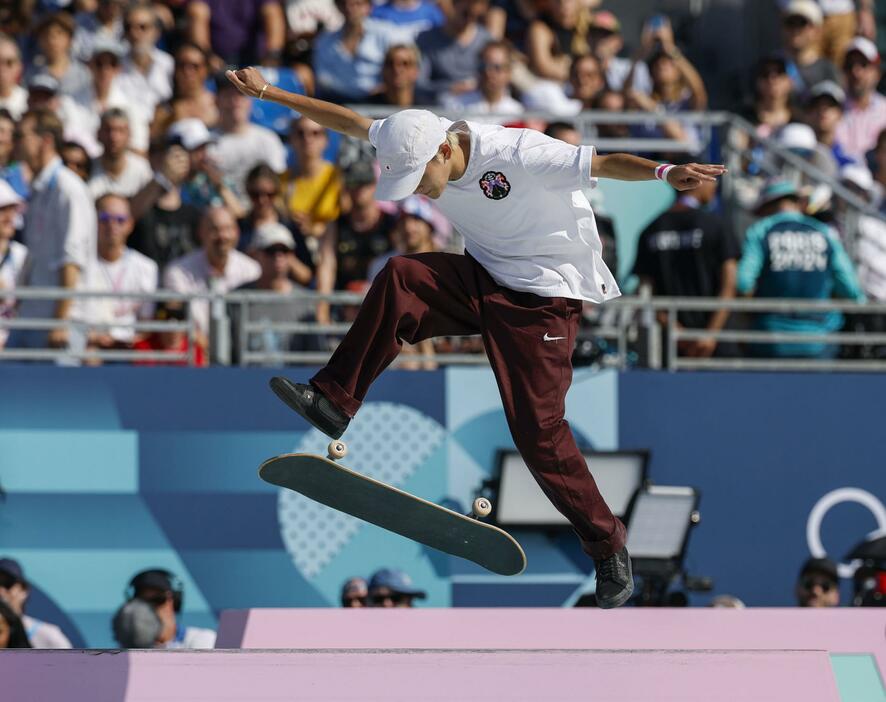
<point>694,174</point>
<point>249,81</point>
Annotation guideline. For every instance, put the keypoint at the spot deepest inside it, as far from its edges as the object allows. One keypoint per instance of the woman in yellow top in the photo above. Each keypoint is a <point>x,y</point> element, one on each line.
<point>311,190</point>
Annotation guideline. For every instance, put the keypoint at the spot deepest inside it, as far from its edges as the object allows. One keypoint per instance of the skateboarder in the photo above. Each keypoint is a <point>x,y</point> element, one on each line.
<point>532,255</point>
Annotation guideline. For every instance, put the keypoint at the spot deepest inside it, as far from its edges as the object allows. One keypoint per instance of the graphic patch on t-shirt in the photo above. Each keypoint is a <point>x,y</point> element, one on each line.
<point>494,185</point>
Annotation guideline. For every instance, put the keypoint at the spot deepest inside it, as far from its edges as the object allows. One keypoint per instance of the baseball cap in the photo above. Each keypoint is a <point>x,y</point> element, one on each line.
<point>828,88</point>
<point>107,45</point>
<point>797,136</point>
<point>8,197</point>
<point>272,234</point>
<point>865,47</point>
<point>807,9</point>
<point>857,175</point>
<point>11,566</point>
<point>775,190</point>
<point>404,144</point>
<point>417,207</point>
<point>136,625</point>
<point>354,587</point>
<point>191,133</point>
<point>396,581</point>
<point>44,81</point>
<point>824,566</point>
<point>607,21</point>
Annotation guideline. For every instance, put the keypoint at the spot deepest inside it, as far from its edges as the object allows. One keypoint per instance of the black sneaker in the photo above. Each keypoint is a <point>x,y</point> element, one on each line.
<point>311,404</point>
<point>615,580</point>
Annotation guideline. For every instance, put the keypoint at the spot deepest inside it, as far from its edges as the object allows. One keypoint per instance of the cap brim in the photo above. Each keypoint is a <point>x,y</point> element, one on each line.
<point>397,187</point>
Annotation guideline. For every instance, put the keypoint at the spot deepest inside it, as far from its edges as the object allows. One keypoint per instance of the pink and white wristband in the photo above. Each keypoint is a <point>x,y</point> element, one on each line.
<point>661,171</point>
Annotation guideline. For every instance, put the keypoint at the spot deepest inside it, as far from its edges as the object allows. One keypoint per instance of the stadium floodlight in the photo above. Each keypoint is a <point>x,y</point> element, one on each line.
<point>519,501</point>
<point>658,531</point>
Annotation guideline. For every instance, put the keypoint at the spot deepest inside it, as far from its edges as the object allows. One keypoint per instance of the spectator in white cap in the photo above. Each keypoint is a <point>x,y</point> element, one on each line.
<point>840,23</point>
<point>206,184</point>
<point>273,246</point>
<point>104,92</point>
<point>871,233</point>
<point>12,254</point>
<point>13,97</point>
<point>532,256</point>
<point>824,111</point>
<point>864,116</point>
<point>493,94</point>
<point>801,30</point>
<point>118,170</point>
<point>800,139</point>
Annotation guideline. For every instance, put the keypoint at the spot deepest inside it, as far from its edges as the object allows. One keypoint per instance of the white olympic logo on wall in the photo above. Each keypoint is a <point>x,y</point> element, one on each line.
<point>823,506</point>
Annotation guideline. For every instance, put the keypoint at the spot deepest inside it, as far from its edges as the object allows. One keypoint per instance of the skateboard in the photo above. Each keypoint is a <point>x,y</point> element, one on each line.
<point>334,485</point>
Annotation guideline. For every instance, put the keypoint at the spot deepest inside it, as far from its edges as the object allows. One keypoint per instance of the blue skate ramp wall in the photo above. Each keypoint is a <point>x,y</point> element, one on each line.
<point>109,471</point>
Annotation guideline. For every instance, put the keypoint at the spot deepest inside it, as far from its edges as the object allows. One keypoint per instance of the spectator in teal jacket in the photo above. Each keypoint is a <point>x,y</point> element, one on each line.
<point>790,255</point>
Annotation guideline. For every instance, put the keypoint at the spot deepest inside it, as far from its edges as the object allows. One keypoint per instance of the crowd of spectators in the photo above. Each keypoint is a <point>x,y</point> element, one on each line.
<point>128,164</point>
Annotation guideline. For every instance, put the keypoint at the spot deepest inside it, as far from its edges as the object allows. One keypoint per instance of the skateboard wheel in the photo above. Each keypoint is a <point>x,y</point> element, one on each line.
<point>482,507</point>
<point>337,449</point>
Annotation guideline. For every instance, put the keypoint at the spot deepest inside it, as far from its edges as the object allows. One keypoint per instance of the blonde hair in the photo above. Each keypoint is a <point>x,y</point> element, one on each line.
<point>452,139</point>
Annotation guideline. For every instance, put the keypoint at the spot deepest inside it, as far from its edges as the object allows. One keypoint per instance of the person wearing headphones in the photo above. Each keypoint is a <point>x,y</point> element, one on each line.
<point>149,619</point>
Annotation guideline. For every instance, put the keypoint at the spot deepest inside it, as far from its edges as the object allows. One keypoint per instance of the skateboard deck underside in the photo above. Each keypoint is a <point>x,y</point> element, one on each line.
<point>388,507</point>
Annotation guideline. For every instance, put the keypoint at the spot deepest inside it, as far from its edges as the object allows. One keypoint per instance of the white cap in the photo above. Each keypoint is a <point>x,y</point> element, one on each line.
<point>805,8</point>
<point>8,196</point>
<point>858,175</point>
<point>272,234</point>
<point>865,47</point>
<point>404,144</point>
<point>830,89</point>
<point>191,133</point>
<point>797,136</point>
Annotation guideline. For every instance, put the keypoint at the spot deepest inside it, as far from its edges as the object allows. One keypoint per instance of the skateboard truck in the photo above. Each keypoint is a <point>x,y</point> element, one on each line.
<point>481,508</point>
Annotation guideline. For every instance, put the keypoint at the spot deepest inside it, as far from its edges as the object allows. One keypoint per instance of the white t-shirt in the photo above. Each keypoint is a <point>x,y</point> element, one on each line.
<point>12,266</point>
<point>132,272</point>
<point>137,173</point>
<point>191,273</point>
<point>44,634</point>
<point>237,154</point>
<point>522,213</point>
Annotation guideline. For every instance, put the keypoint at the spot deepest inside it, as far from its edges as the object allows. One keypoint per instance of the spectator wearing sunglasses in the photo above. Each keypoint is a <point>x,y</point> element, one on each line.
<point>119,269</point>
<point>393,588</point>
<point>147,70</point>
<point>493,94</point>
<point>818,584</point>
<point>399,79</point>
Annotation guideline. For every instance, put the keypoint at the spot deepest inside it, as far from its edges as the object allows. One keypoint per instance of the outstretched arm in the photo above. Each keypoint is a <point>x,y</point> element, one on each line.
<point>628,167</point>
<point>251,82</point>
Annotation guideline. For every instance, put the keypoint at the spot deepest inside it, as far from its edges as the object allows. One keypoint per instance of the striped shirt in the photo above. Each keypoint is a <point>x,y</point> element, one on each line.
<point>859,127</point>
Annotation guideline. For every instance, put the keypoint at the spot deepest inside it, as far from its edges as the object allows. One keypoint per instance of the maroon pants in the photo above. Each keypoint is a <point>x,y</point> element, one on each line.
<point>529,341</point>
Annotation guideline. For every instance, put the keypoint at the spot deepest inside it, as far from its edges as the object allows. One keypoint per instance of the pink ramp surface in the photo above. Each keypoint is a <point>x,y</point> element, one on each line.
<point>601,676</point>
<point>842,630</point>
